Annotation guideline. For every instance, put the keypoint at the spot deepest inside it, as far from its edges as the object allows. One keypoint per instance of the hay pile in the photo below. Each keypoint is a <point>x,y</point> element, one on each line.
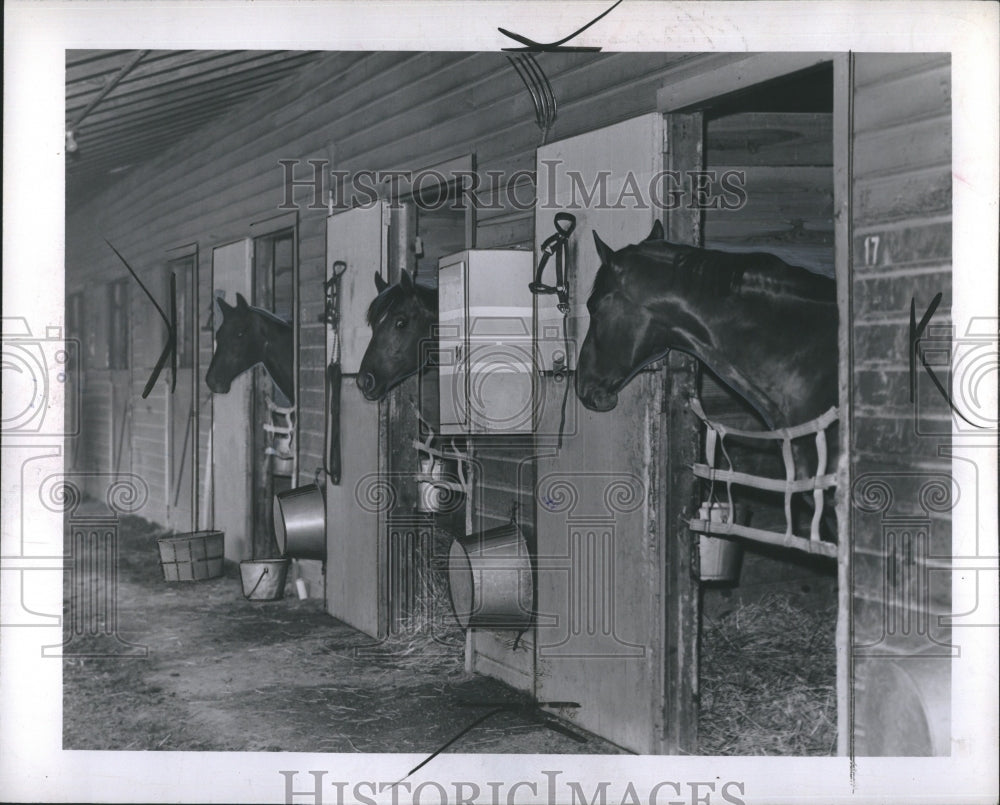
<point>768,680</point>
<point>429,638</point>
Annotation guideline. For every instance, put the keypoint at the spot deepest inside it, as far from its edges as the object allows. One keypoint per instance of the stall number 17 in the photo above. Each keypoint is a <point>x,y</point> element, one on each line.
<point>871,250</point>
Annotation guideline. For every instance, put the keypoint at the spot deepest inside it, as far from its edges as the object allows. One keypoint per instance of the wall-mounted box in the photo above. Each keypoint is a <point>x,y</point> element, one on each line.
<point>485,342</point>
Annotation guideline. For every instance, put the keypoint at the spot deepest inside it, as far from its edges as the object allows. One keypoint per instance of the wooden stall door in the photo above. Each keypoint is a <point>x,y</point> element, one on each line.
<point>231,269</point>
<point>600,555</point>
<point>356,507</point>
<point>274,278</point>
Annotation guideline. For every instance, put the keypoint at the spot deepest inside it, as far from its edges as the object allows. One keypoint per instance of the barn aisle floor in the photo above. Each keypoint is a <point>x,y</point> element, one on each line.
<point>226,674</point>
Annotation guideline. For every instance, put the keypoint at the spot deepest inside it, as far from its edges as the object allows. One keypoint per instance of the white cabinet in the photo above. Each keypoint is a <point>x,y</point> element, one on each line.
<point>485,341</point>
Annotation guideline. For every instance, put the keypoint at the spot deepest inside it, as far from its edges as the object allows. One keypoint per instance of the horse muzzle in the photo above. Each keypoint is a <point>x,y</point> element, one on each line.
<point>598,399</point>
<point>216,386</point>
<point>368,385</point>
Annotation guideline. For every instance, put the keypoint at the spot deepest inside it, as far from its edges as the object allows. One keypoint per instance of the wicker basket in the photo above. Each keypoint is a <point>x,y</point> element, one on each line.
<point>193,556</point>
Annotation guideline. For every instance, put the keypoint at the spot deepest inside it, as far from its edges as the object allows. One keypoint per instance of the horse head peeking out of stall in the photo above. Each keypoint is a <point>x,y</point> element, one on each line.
<point>248,336</point>
<point>402,318</point>
<point>765,328</point>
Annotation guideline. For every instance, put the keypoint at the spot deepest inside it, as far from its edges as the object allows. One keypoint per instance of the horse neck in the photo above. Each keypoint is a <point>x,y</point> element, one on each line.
<point>278,355</point>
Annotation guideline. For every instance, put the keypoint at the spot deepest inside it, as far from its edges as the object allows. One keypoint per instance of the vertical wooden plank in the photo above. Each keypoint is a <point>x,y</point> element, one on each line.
<point>684,151</point>
<point>401,458</point>
<point>843,122</point>
<point>356,508</point>
<point>682,599</point>
<point>398,459</point>
<point>231,267</point>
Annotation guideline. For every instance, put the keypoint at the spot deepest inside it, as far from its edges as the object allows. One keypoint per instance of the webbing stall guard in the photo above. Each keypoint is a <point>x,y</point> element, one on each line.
<point>714,439</point>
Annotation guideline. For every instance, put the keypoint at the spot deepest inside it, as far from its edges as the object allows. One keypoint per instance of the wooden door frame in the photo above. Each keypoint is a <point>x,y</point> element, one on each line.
<point>708,79</point>
<point>188,250</point>
<point>211,501</point>
<point>262,495</point>
<point>684,150</point>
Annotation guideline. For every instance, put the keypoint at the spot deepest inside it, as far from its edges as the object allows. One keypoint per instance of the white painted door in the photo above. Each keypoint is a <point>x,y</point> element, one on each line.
<point>356,507</point>
<point>599,564</point>
<point>602,177</point>
<point>231,476</point>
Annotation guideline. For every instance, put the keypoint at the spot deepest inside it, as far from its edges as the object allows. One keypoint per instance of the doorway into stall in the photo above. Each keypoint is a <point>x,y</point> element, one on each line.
<point>182,403</point>
<point>783,141</point>
<point>274,450</point>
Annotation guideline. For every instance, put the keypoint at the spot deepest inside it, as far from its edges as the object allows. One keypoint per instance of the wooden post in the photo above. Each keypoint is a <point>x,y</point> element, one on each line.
<point>843,117</point>
<point>401,427</point>
<point>682,587</point>
<point>682,604</point>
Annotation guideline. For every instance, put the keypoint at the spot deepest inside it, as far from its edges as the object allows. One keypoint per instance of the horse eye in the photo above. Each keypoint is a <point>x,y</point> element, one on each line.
<point>401,322</point>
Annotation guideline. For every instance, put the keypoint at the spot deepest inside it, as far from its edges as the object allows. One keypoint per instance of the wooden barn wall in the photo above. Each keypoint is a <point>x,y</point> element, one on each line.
<point>902,494</point>
<point>375,111</point>
<point>787,161</point>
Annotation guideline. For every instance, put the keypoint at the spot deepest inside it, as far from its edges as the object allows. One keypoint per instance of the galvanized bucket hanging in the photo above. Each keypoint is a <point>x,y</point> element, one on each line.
<point>489,574</point>
<point>300,522</point>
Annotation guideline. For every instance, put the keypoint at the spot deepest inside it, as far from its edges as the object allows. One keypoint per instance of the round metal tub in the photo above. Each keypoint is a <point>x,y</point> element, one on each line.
<point>904,708</point>
<point>489,575</point>
<point>300,522</point>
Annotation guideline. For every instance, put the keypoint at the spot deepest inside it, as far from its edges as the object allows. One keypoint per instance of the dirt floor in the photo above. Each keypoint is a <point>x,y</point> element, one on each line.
<point>195,666</point>
<point>225,674</point>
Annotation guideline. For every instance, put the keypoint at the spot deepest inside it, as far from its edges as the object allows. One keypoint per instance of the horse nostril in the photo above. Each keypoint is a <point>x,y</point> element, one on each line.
<point>366,381</point>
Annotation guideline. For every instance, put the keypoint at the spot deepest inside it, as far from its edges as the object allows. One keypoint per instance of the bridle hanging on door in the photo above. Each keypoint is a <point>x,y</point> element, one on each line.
<point>556,244</point>
<point>331,317</point>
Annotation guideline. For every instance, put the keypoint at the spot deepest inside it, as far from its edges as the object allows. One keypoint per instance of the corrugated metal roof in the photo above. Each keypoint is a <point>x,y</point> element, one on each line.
<point>124,107</point>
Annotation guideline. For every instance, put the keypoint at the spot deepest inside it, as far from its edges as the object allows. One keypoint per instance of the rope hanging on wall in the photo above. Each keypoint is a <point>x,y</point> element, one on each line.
<point>538,86</point>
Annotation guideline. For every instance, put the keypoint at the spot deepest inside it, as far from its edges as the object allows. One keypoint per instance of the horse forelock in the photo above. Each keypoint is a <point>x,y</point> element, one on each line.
<point>394,295</point>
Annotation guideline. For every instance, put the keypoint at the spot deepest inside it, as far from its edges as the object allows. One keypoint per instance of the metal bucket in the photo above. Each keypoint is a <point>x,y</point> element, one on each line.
<point>489,575</point>
<point>300,522</point>
<point>263,579</point>
<point>720,558</point>
<point>904,707</point>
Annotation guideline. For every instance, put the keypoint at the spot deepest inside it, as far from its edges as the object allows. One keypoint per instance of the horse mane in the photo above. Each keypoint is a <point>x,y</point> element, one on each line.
<point>267,314</point>
<point>393,295</point>
<point>719,274</point>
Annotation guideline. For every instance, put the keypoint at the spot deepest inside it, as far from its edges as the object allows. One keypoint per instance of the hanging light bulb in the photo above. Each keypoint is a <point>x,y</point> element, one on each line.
<point>71,145</point>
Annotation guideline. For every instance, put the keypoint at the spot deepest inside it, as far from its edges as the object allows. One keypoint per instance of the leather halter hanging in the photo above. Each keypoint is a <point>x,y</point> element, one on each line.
<point>555,244</point>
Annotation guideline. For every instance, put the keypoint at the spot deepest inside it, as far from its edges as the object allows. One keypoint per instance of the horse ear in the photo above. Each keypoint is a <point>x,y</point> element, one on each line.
<point>223,305</point>
<point>405,280</point>
<point>657,231</point>
<point>380,284</point>
<point>241,302</point>
<point>603,249</point>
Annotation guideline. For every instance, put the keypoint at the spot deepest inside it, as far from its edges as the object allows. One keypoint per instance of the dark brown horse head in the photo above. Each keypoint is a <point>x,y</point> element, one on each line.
<point>247,336</point>
<point>402,317</point>
<point>765,328</point>
<point>622,336</point>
